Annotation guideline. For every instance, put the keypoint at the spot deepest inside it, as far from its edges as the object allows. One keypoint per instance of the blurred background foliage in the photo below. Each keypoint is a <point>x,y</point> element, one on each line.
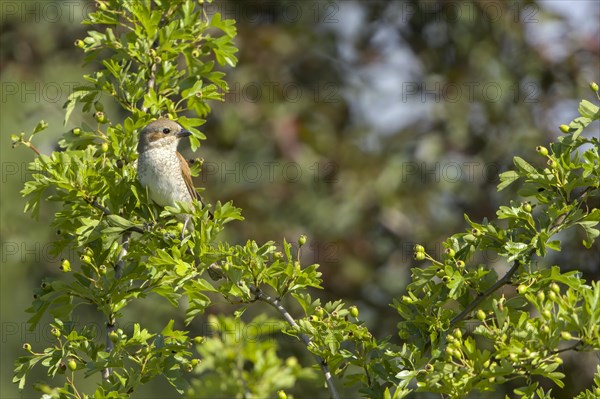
<point>367,125</point>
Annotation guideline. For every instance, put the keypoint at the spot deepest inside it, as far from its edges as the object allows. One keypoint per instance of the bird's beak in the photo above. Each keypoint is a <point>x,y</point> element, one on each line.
<point>184,133</point>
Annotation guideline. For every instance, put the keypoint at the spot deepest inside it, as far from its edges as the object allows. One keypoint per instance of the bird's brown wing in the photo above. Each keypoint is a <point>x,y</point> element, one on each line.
<point>187,178</point>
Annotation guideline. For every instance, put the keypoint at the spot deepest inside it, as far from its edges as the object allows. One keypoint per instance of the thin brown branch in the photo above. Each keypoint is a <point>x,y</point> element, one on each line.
<point>473,304</point>
<point>30,145</point>
<point>276,303</point>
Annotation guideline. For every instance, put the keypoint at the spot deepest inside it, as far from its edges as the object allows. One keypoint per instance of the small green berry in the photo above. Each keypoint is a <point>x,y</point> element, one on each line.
<point>543,151</point>
<point>526,207</point>
<point>27,347</point>
<point>594,86</point>
<point>195,53</point>
<point>555,288</point>
<point>354,311</point>
<point>100,117</point>
<point>541,296</point>
<point>450,252</point>
<point>72,364</point>
<point>85,259</point>
<point>545,329</point>
<point>566,335</point>
<point>79,43</point>
<point>429,367</point>
<point>102,270</point>
<point>460,264</point>
<point>55,331</point>
<point>419,256</point>
<point>76,131</point>
<point>552,296</point>
<point>319,312</point>
<point>65,265</point>
<point>522,289</point>
<point>302,240</point>
<point>113,336</point>
<point>198,340</point>
<point>481,315</point>
<point>552,163</point>
<point>195,362</point>
<point>104,147</point>
<point>564,128</point>
<point>546,313</point>
<point>419,248</point>
<point>281,394</point>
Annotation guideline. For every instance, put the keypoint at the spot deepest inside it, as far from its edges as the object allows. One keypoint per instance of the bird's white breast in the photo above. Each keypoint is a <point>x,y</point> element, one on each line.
<point>160,171</point>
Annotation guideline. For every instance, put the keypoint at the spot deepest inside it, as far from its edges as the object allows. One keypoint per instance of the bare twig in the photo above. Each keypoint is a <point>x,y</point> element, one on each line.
<point>111,323</point>
<point>276,303</point>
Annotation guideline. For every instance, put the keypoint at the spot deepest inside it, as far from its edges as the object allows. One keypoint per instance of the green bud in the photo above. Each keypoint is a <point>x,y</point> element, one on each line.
<point>195,362</point>
<point>546,313</point>
<point>407,299</point>
<point>555,288</point>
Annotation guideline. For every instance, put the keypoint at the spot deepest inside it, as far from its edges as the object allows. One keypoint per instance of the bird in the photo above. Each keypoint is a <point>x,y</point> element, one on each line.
<point>162,170</point>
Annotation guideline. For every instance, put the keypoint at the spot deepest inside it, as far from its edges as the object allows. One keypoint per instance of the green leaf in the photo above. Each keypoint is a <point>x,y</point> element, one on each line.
<point>588,110</point>
<point>523,165</point>
<point>507,178</point>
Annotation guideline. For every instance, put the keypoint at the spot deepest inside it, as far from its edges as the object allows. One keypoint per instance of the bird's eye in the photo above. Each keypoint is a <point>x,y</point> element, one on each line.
<point>166,130</point>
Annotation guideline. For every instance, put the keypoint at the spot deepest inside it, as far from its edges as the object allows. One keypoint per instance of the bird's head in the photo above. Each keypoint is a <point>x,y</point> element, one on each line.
<point>161,133</point>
